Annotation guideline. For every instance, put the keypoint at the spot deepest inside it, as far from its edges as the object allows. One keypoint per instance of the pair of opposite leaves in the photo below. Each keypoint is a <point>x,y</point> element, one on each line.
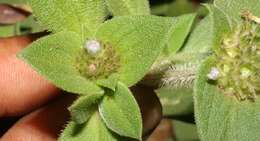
<point>137,39</point>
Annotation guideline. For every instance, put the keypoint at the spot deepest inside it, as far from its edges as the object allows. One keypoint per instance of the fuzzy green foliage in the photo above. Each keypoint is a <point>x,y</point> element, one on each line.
<point>219,116</point>
<point>234,8</point>
<point>121,113</point>
<point>80,16</point>
<point>174,8</point>
<point>84,107</point>
<point>6,31</point>
<point>129,46</point>
<point>185,131</point>
<point>138,40</point>
<point>182,27</point>
<point>54,57</point>
<point>93,130</point>
<point>176,101</point>
<point>128,7</point>
<point>13,1</point>
<point>223,118</point>
<point>200,39</point>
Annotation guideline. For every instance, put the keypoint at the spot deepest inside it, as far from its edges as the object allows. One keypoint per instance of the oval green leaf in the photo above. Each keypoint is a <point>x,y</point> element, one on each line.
<point>121,113</point>
<point>179,32</point>
<point>80,16</point>
<point>54,57</point>
<point>139,40</point>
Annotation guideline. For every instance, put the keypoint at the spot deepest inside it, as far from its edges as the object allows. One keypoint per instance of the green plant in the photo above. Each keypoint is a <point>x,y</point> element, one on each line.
<point>216,69</point>
<point>227,83</point>
<point>227,87</point>
<point>99,59</point>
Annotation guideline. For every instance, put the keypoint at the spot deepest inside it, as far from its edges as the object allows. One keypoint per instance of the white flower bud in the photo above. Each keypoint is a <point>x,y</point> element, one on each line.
<point>214,74</point>
<point>93,47</point>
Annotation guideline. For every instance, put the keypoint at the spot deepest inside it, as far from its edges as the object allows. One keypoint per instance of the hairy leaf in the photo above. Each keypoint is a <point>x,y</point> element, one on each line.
<point>13,1</point>
<point>179,32</point>
<point>93,130</point>
<point>208,33</point>
<point>110,82</point>
<point>128,7</point>
<point>80,16</point>
<point>200,39</point>
<point>139,40</point>
<point>83,108</point>
<point>220,117</point>
<point>234,8</point>
<point>54,57</point>
<point>182,129</point>
<point>7,31</point>
<point>121,113</point>
<point>176,101</point>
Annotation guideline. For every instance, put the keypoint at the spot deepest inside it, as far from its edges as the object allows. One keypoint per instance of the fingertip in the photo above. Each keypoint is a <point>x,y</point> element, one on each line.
<point>42,125</point>
<point>22,89</point>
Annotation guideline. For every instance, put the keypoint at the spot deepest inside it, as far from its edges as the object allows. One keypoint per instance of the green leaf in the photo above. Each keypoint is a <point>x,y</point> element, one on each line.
<point>220,117</point>
<point>200,39</point>
<point>6,31</point>
<point>29,25</point>
<point>139,40</point>
<point>234,8</point>
<point>185,131</point>
<point>109,82</point>
<point>220,25</point>
<point>179,32</point>
<point>128,7</point>
<point>54,57</point>
<point>209,32</point>
<point>93,130</point>
<point>176,101</point>
<point>84,107</point>
<point>121,113</point>
<point>80,16</point>
<point>13,1</point>
<point>175,8</point>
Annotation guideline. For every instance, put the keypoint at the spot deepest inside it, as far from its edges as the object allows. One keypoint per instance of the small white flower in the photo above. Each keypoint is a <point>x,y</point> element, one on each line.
<point>93,47</point>
<point>214,74</point>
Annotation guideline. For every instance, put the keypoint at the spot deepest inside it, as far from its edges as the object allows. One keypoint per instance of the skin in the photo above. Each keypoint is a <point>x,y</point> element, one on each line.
<point>24,91</point>
<point>43,107</point>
